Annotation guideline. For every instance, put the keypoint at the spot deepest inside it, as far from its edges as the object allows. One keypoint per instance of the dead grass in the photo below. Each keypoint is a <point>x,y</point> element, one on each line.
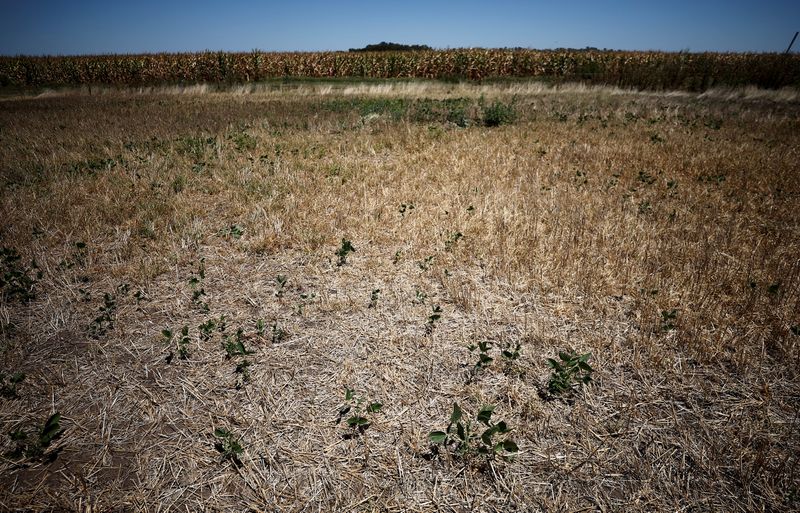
<point>586,224</point>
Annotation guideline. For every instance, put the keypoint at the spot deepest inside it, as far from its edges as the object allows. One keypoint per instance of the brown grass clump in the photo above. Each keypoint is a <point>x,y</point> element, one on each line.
<point>657,232</point>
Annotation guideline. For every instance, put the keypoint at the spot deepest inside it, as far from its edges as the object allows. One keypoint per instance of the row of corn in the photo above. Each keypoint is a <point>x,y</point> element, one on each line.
<point>647,70</point>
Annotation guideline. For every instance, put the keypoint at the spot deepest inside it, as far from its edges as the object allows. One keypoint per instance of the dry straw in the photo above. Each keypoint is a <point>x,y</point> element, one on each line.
<point>657,232</point>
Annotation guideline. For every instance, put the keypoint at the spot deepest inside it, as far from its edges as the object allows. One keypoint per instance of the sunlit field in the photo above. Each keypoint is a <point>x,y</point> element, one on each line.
<point>405,296</point>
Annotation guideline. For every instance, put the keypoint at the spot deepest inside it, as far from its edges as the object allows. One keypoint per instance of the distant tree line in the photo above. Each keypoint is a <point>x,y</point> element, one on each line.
<point>383,46</point>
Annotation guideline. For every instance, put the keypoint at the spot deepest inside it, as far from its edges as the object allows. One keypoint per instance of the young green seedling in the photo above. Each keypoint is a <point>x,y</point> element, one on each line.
<point>105,321</point>
<point>462,439</point>
<point>435,315</point>
<point>196,284</point>
<point>35,445</point>
<point>571,371</point>
<point>483,355</point>
<point>345,249</point>
<point>229,446</point>
<point>358,412</point>
<point>373,298</point>
<point>234,346</point>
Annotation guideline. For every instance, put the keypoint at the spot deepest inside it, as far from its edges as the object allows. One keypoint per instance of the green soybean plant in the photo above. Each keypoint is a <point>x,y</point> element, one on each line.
<point>35,445</point>
<point>436,314</point>
<point>358,412</point>
<point>345,249</point>
<point>569,371</point>
<point>464,438</point>
<point>228,446</point>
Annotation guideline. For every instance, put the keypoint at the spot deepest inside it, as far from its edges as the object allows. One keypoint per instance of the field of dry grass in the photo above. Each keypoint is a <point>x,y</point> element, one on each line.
<point>658,232</point>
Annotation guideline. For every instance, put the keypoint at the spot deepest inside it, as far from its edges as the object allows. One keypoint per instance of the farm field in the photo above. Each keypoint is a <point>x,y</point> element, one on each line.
<point>200,282</point>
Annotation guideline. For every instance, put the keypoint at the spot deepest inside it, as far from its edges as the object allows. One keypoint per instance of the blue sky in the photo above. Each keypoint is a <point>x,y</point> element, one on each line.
<point>55,27</point>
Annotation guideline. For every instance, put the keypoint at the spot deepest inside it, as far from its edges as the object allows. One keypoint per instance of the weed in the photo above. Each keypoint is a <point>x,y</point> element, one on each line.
<point>421,297</point>
<point>345,249</point>
<point>229,446</point>
<point>373,298</point>
<point>34,445</point>
<point>463,440</point>
<point>104,322</point>
<point>16,282</point>
<point>359,412</point>
<point>9,389</point>
<point>261,327</point>
<point>571,371</point>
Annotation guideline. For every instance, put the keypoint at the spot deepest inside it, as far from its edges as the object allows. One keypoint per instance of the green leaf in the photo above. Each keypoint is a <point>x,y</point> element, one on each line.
<point>461,432</point>
<point>437,437</point>
<point>374,407</point>
<point>17,377</point>
<point>510,446</point>
<point>357,420</point>
<point>564,356</point>
<point>585,357</point>
<point>502,427</point>
<point>456,415</point>
<point>51,429</point>
<point>485,415</point>
<point>585,366</point>
<point>487,435</point>
<point>554,364</point>
<point>222,433</point>
<point>348,393</point>
<point>167,334</point>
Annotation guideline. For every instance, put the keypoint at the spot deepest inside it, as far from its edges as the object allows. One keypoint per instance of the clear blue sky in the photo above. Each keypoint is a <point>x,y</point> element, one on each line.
<point>115,26</point>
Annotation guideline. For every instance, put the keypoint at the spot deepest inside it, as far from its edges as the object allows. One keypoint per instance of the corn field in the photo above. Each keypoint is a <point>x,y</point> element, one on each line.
<point>643,70</point>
